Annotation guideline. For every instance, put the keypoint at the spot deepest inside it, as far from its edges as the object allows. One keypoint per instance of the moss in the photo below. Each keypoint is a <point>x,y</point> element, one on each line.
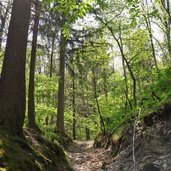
<point>3,169</point>
<point>60,137</point>
<point>32,154</point>
<point>118,133</point>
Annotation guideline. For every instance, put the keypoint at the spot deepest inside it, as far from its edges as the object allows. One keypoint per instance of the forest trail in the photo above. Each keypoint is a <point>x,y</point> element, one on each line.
<point>84,157</point>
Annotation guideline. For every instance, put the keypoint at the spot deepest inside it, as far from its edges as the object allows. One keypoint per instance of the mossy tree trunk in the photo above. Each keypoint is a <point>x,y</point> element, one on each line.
<point>12,82</point>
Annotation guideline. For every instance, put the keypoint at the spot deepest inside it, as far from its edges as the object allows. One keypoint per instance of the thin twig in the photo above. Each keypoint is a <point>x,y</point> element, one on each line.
<point>133,138</point>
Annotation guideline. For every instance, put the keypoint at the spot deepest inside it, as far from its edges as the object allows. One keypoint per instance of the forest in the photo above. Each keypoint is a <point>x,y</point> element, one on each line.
<point>85,85</point>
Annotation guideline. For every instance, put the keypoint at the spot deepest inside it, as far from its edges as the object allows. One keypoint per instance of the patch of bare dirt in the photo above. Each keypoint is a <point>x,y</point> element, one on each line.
<point>84,157</point>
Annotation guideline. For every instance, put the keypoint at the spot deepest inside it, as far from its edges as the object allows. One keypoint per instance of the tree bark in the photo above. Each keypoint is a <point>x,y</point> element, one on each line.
<point>60,112</point>
<point>51,56</point>
<point>105,84</point>
<point>31,104</point>
<point>125,75</point>
<point>102,124</point>
<point>12,82</point>
<point>73,106</point>
<point>3,22</point>
<point>166,6</point>
<point>148,25</point>
<point>87,133</point>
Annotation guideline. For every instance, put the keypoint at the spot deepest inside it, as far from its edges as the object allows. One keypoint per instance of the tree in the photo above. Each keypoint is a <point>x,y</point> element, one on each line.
<point>147,21</point>
<point>4,10</point>
<point>167,23</point>
<point>31,105</point>
<point>12,82</point>
<point>60,112</point>
<point>49,29</point>
<point>66,8</point>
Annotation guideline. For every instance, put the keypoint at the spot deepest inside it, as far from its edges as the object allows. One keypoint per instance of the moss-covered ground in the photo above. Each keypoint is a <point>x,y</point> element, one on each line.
<point>30,153</point>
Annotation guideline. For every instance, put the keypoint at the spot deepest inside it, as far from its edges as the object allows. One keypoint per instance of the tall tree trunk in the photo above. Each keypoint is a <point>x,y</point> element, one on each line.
<point>31,104</point>
<point>167,25</point>
<point>125,75</point>
<point>131,73</point>
<point>105,83</point>
<point>51,56</point>
<point>12,82</point>
<point>54,33</point>
<point>3,21</point>
<point>168,28</point>
<point>60,112</point>
<point>148,25</point>
<point>102,124</point>
<point>73,106</point>
<point>166,6</point>
<point>129,69</point>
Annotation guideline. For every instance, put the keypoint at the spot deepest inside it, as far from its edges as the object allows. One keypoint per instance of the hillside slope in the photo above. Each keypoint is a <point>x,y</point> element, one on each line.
<point>151,145</point>
<point>33,153</point>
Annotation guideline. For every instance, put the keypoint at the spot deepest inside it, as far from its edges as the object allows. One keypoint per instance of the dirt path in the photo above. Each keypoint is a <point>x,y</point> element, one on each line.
<point>85,157</point>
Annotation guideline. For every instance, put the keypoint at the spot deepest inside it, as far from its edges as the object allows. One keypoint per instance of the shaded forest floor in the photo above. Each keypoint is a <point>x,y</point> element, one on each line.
<point>84,157</point>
